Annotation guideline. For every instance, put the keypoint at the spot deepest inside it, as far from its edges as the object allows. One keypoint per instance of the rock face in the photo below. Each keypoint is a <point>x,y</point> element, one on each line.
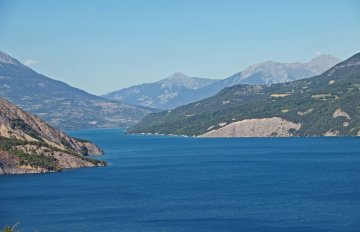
<point>59,104</point>
<point>30,145</point>
<point>340,113</point>
<point>262,127</point>
<point>180,89</point>
<point>16,123</point>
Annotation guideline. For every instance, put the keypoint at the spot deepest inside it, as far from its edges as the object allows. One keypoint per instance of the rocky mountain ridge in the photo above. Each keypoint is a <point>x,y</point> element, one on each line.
<point>58,103</point>
<point>275,72</point>
<point>174,90</point>
<point>180,89</point>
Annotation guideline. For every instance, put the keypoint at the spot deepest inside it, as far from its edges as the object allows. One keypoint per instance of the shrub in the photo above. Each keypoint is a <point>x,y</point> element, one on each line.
<point>13,228</point>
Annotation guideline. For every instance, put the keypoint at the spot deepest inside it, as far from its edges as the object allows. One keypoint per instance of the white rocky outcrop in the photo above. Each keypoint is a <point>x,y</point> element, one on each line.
<point>340,113</point>
<point>259,127</point>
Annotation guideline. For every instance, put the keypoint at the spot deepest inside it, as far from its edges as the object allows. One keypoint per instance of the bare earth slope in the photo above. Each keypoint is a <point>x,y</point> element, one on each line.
<point>262,127</point>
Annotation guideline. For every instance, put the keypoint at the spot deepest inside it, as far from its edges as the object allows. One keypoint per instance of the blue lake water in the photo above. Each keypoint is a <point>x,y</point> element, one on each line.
<point>173,184</point>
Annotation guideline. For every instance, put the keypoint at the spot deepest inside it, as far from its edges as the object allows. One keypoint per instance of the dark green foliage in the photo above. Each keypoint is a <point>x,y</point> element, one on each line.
<point>66,143</point>
<point>33,160</point>
<point>18,123</point>
<point>84,151</point>
<point>42,161</point>
<point>47,161</point>
<point>8,144</point>
<point>13,228</point>
<point>83,140</point>
<point>310,102</point>
<point>93,161</point>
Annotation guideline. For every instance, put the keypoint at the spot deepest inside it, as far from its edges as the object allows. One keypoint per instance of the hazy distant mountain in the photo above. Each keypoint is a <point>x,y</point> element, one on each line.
<point>324,105</point>
<point>177,89</point>
<point>180,89</point>
<point>275,72</point>
<point>60,104</point>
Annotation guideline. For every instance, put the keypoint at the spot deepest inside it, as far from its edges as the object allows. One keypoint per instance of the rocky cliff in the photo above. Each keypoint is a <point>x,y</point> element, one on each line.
<point>30,145</point>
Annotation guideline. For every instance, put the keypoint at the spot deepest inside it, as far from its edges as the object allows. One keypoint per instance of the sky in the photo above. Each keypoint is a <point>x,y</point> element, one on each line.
<point>106,45</point>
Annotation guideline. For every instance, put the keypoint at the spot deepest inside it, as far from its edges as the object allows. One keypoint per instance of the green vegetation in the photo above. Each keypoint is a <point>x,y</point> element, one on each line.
<point>13,228</point>
<point>93,161</point>
<point>42,161</point>
<point>32,160</point>
<point>18,123</point>
<point>46,161</point>
<point>66,143</point>
<point>83,140</point>
<point>310,102</point>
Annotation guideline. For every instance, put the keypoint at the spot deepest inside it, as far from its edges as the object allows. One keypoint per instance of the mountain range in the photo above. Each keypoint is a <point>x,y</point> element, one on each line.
<point>58,103</point>
<point>179,89</point>
<point>30,145</point>
<point>175,90</point>
<point>323,105</point>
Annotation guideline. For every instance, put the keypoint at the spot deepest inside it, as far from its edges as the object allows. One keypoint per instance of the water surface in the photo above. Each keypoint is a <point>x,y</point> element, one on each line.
<point>166,184</point>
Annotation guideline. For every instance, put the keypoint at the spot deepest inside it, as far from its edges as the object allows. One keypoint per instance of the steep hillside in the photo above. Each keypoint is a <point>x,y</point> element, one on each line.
<point>327,104</point>
<point>175,90</point>
<point>180,89</point>
<point>30,145</point>
<point>60,104</point>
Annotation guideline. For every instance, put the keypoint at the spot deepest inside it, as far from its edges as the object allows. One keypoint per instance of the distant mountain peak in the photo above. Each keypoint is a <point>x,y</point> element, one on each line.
<point>178,75</point>
<point>174,90</point>
<point>271,72</point>
<point>179,89</point>
<point>322,63</point>
<point>7,59</point>
<point>180,80</point>
<point>324,59</point>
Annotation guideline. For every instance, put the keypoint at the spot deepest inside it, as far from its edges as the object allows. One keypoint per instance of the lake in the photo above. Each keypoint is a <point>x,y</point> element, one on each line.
<point>173,184</point>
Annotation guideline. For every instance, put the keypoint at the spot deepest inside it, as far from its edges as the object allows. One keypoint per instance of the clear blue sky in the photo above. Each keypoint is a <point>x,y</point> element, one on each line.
<point>106,45</point>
